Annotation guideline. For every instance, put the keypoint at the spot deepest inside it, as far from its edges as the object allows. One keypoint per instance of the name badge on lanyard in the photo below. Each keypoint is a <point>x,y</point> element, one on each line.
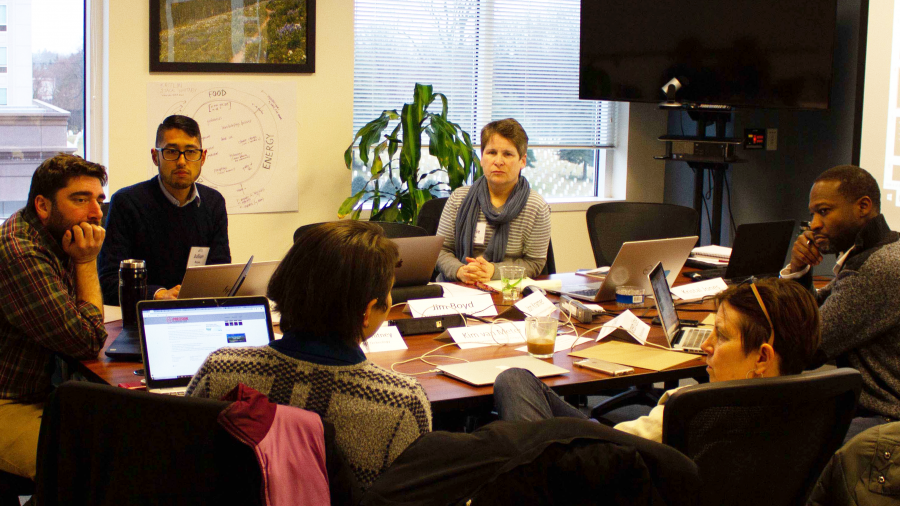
<point>198,256</point>
<point>480,232</point>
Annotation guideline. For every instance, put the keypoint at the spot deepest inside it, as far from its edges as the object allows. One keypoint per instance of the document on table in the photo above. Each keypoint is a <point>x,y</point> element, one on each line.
<point>497,334</point>
<point>476,305</point>
<point>645,357</point>
<point>387,338</point>
<point>546,284</point>
<point>628,322</point>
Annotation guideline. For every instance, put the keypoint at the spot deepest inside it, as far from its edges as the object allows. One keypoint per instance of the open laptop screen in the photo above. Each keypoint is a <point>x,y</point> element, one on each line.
<point>178,340</point>
<point>664,303</point>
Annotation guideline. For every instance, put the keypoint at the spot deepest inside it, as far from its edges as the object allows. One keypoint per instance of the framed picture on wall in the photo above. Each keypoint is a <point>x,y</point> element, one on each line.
<point>233,36</point>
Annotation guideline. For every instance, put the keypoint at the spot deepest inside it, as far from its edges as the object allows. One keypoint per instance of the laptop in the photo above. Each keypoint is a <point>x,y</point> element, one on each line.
<point>223,280</point>
<point>632,264</point>
<point>759,249</point>
<point>177,335</point>
<point>685,339</point>
<point>418,256</point>
<point>485,372</point>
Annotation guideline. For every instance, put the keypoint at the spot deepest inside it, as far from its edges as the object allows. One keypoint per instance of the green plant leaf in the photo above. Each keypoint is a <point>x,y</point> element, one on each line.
<point>349,203</point>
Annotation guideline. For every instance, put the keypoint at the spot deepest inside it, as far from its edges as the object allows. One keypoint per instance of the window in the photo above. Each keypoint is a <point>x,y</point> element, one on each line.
<point>44,81</point>
<point>493,59</point>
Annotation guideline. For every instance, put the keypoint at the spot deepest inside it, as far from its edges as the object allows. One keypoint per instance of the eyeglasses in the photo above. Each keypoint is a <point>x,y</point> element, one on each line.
<point>763,307</point>
<point>190,155</point>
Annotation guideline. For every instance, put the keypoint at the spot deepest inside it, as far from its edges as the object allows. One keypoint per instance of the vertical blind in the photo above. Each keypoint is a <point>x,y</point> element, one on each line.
<point>493,59</point>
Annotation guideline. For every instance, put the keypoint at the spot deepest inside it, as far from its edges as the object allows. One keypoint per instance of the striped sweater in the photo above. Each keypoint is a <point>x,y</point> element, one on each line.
<point>376,413</point>
<point>529,236</point>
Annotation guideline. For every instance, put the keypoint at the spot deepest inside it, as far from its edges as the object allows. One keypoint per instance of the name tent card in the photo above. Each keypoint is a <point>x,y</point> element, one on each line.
<point>479,336</point>
<point>626,323</point>
<point>475,305</point>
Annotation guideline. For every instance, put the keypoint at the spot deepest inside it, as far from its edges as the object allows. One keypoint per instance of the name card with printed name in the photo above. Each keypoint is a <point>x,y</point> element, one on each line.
<point>629,323</point>
<point>387,338</point>
<point>498,334</point>
<point>475,305</point>
<point>697,291</point>
<point>536,305</point>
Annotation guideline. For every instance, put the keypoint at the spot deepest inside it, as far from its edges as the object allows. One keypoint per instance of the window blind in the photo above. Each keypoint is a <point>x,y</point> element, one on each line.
<point>492,58</point>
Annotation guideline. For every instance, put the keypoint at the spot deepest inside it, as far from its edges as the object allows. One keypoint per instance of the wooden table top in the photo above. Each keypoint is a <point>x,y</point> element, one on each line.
<point>448,394</point>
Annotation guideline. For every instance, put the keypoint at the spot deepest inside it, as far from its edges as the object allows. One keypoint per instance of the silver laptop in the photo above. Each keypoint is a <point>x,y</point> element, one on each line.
<point>485,372</point>
<point>206,281</point>
<point>177,335</point>
<point>633,263</point>
<point>685,339</point>
<point>418,256</point>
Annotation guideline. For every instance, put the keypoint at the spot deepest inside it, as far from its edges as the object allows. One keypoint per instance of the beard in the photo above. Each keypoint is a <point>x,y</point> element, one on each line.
<point>57,224</point>
<point>840,243</point>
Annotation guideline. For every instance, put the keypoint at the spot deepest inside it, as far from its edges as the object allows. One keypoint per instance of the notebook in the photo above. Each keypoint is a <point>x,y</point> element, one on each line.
<point>418,256</point>
<point>633,263</point>
<point>760,249</point>
<point>485,372</point>
<point>226,280</point>
<point>177,335</point>
<point>685,339</point>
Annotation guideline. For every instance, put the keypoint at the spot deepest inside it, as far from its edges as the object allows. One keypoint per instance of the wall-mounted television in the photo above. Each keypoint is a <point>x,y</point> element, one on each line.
<point>760,53</point>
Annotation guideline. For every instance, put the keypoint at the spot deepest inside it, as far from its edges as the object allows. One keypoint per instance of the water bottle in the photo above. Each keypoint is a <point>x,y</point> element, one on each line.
<point>132,289</point>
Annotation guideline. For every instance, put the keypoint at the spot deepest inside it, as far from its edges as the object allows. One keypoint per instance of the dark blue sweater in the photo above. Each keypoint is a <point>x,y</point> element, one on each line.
<point>143,224</point>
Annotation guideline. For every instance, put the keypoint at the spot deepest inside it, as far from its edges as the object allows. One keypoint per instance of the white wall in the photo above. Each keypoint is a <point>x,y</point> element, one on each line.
<point>324,116</point>
<point>325,113</point>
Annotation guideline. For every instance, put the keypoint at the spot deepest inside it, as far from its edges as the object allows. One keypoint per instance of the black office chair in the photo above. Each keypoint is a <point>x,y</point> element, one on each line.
<point>103,445</point>
<point>612,223</point>
<point>762,441</point>
<point>550,265</point>
<point>430,215</point>
<point>12,486</point>
<point>391,230</point>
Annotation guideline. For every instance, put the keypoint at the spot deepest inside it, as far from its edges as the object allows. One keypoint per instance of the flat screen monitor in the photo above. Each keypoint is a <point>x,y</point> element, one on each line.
<point>764,53</point>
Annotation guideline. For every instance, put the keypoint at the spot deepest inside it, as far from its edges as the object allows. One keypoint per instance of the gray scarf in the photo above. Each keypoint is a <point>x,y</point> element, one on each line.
<point>479,197</point>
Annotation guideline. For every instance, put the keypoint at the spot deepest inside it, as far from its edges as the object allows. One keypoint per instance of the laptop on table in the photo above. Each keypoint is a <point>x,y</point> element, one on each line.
<point>759,249</point>
<point>177,335</point>
<point>485,372</point>
<point>224,280</point>
<point>684,339</point>
<point>418,256</point>
<point>633,263</point>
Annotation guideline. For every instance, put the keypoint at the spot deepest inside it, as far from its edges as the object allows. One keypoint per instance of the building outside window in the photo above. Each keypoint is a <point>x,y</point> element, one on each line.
<point>41,92</point>
<point>493,59</point>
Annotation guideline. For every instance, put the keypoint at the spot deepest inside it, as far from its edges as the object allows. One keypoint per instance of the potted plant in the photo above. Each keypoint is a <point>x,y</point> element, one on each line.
<point>401,198</point>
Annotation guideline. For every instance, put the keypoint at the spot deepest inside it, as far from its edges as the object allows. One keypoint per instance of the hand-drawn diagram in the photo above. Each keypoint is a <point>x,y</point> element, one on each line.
<point>249,130</point>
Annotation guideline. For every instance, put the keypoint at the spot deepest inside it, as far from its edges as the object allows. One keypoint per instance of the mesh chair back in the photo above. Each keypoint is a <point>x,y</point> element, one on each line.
<point>612,223</point>
<point>762,441</point>
<point>430,215</point>
<point>391,230</point>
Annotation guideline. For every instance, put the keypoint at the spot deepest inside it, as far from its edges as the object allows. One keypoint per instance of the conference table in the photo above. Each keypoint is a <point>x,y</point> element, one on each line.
<point>448,395</point>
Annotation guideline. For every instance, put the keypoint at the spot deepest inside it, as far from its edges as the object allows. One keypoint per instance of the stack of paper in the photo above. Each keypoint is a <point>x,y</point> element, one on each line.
<point>711,255</point>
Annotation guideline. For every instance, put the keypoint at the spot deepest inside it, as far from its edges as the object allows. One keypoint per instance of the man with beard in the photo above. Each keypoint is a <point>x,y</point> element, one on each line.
<point>52,303</point>
<point>860,307</point>
<point>162,220</point>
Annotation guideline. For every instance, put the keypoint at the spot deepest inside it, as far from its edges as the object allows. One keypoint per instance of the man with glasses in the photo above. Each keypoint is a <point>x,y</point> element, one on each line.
<point>167,220</point>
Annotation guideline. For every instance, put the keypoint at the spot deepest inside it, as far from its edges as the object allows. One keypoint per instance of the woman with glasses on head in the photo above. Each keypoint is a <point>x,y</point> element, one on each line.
<point>499,220</point>
<point>766,329</point>
<point>333,290</point>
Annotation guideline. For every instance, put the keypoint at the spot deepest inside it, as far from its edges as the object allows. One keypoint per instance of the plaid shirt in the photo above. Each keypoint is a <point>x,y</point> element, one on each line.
<point>40,315</point>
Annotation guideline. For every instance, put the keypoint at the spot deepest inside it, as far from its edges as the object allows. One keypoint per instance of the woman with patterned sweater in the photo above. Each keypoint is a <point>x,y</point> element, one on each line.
<point>333,292</point>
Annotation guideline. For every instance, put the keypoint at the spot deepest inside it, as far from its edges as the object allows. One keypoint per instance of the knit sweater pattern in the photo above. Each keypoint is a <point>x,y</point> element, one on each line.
<point>376,413</point>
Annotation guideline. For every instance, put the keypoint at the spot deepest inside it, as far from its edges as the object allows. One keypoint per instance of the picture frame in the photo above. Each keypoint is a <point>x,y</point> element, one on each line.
<point>207,36</point>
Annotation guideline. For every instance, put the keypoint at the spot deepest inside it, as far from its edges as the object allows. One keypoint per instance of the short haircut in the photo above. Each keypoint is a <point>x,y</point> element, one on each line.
<point>330,275</point>
<point>510,130</point>
<point>794,313</point>
<point>855,183</point>
<point>183,123</point>
<point>53,174</point>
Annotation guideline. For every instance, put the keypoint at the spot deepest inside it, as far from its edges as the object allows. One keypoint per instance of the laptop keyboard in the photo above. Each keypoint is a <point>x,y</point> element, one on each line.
<point>693,338</point>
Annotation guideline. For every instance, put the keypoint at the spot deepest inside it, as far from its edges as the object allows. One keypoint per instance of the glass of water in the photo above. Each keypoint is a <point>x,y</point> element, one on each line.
<point>511,277</point>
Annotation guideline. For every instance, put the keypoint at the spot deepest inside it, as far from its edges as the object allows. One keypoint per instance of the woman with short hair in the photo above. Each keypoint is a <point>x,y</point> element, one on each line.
<point>763,329</point>
<point>499,220</point>
<point>333,290</point>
